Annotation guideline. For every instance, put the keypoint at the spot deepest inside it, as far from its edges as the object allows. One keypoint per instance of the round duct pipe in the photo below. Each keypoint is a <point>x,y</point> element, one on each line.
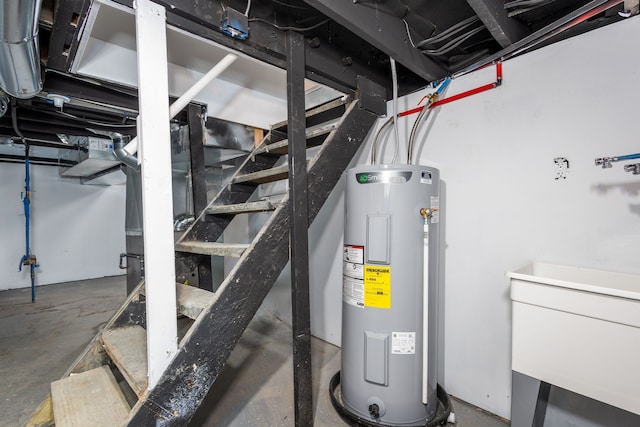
<point>19,53</point>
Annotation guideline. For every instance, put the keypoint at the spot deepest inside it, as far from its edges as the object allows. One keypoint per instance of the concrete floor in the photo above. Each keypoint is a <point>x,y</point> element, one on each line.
<point>39,341</point>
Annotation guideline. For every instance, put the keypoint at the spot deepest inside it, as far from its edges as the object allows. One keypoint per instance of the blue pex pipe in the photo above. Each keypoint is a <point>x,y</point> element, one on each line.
<point>26,202</point>
<point>443,85</point>
<point>627,157</point>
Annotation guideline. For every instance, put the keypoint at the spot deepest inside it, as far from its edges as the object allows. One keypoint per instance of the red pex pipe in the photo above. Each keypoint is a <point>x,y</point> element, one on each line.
<point>480,89</point>
<point>464,94</point>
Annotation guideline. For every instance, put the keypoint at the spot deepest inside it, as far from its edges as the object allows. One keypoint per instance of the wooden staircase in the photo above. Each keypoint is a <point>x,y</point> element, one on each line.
<point>107,384</point>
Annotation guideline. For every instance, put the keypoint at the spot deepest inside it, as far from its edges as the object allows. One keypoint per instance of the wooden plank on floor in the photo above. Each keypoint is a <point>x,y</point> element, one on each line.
<point>92,398</point>
<point>43,416</point>
<point>127,347</point>
<point>192,300</point>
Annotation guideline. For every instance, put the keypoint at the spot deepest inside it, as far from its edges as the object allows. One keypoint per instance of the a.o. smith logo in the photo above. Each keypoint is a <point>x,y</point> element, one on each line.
<point>383,177</point>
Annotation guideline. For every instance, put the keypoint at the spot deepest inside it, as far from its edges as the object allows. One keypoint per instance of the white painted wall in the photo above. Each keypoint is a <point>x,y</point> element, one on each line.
<point>77,230</point>
<point>576,99</point>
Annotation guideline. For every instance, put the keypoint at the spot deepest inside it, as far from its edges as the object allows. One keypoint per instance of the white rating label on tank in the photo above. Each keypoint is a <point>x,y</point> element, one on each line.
<point>435,209</point>
<point>403,343</point>
<point>353,270</point>
<point>354,254</point>
<point>353,291</point>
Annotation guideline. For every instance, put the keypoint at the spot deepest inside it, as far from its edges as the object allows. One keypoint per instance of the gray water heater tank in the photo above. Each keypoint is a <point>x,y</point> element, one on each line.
<point>388,369</point>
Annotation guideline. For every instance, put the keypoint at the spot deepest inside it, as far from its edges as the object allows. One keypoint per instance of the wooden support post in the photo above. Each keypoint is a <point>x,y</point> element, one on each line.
<point>298,224</point>
<point>196,116</point>
<point>153,132</point>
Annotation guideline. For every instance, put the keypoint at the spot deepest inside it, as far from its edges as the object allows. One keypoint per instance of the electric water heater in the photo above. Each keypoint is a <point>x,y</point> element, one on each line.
<point>389,309</point>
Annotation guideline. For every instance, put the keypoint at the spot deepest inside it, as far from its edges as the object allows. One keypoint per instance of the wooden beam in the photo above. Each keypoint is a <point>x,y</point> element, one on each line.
<point>378,26</point>
<point>505,30</point>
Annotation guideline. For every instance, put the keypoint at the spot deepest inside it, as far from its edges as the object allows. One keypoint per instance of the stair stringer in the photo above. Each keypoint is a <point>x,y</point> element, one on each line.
<point>204,350</point>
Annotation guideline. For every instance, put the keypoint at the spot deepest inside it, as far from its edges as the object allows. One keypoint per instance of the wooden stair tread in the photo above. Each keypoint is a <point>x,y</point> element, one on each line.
<point>282,147</point>
<point>127,347</point>
<point>191,300</point>
<point>316,110</point>
<point>264,176</point>
<point>92,398</point>
<point>238,208</point>
<point>212,248</point>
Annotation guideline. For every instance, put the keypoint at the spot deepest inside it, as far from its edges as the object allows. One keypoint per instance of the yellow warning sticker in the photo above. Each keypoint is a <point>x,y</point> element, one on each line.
<point>377,286</point>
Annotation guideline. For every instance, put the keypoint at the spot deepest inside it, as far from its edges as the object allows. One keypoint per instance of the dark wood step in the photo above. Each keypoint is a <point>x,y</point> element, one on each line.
<point>240,208</point>
<point>319,112</point>
<point>91,398</point>
<point>265,176</point>
<point>313,134</point>
<point>212,248</point>
<point>127,348</point>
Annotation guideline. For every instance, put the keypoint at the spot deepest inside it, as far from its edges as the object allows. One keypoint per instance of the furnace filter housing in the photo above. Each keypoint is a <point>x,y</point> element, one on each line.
<point>382,308</point>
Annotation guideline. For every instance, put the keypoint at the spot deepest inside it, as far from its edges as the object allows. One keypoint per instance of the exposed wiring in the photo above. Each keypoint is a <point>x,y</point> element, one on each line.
<point>462,25</point>
<point>96,123</point>
<point>514,11</point>
<point>246,12</point>
<point>526,3</point>
<point>319,24</point>
<point>453,43</point>
<point>292,6</point>
<point>406,25</point>
<point>394,79</point>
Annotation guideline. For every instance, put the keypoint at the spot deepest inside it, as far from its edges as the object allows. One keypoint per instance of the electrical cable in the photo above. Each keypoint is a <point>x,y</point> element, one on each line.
<point>406,25</point>
<point>292,6</point>
<point>526,3</point>
<point>449,31</point>
<point>394,79</point>
<point>95,123</point>
<point>324,21</point>
<point>514,11</point>
<point>246,12</point>
<point>453,43</point>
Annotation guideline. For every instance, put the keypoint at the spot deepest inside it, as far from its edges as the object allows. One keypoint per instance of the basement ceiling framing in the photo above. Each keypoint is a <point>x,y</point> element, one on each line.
<point>344,39</point>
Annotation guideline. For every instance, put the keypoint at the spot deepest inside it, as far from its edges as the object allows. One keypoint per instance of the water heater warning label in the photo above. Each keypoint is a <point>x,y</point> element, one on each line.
<point>403,343</point>
<point>353,291</point>
<point>353,254</point>
<point>377,286</point>
<point>353,270</point>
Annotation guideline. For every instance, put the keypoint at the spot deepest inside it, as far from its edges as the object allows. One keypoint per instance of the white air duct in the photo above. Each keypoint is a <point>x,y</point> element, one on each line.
<point>19,54</point>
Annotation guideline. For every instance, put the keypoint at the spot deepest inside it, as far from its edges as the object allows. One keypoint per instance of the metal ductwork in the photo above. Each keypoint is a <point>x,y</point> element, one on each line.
<point>19,52</point>
<point>122,155</point>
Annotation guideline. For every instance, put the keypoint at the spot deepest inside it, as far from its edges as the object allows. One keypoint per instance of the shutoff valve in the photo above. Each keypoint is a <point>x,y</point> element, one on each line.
<point>633,168</point>
<point>427,213</point>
